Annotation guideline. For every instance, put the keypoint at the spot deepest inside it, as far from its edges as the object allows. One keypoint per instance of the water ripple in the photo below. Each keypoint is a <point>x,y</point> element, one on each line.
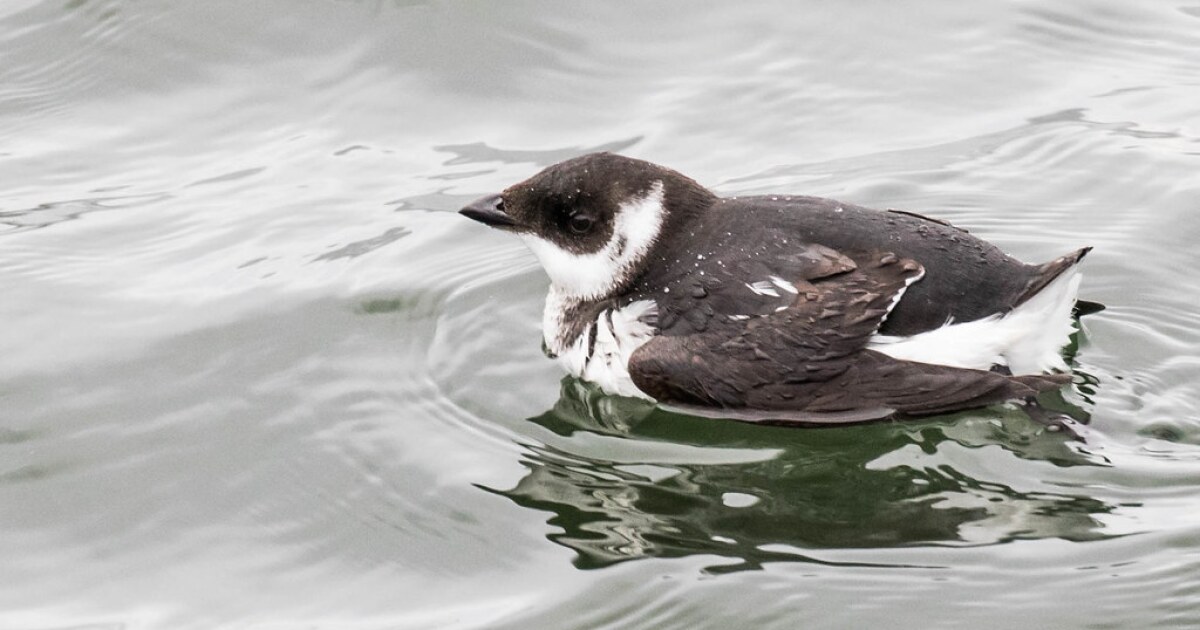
<point>248,347</point>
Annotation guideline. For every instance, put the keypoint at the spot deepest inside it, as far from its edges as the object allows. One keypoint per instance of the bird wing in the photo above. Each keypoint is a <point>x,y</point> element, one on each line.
<point>807,362</point>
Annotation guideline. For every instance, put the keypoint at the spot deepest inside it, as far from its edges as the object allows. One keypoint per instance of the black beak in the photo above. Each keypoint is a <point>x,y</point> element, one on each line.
<point>489,210</point>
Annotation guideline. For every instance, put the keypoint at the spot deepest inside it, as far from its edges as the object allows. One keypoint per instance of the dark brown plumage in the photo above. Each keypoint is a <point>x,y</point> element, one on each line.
<point>764,308</point>
<point>808,363</point>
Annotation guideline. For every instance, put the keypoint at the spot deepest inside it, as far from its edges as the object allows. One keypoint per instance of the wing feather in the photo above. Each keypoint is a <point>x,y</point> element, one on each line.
<point>809,360</point>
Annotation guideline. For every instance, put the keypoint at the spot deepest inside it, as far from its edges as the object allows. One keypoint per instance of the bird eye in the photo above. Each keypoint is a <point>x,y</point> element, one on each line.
<point>581,223</point>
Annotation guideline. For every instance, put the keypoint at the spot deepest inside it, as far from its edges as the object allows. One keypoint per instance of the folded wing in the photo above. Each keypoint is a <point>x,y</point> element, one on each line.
<point>807,361</point>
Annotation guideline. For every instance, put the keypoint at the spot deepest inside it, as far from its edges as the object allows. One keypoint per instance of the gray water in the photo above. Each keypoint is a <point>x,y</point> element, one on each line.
<point>256,372</point>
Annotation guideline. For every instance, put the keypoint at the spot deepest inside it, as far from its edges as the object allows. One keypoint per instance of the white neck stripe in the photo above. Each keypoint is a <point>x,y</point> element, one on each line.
<point>595,276</point>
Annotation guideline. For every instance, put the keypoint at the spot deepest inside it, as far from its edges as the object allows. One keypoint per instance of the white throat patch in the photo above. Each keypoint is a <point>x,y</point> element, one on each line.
<point>594,276</point>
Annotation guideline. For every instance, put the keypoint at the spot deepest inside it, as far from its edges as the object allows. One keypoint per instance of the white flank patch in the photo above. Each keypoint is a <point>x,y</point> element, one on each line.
<point>594,276</point>
<point>618,334</point>
<point>1029,339</point>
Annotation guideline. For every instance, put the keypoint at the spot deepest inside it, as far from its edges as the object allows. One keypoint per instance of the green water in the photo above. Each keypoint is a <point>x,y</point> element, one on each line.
<point>256,373</point>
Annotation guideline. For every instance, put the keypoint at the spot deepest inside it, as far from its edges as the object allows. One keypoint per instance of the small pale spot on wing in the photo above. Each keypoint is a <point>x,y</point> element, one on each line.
<point>784,284</point>
<point>763,287</point>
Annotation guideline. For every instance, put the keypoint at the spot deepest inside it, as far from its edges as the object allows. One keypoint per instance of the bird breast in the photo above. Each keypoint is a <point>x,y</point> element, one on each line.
<point>601,352</point>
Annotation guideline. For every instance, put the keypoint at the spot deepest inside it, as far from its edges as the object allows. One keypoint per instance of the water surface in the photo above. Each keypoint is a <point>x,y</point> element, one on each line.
<point>256,372</point>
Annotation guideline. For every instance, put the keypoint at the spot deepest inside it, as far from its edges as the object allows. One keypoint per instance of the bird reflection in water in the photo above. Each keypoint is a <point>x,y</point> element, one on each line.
<point>791,491</point>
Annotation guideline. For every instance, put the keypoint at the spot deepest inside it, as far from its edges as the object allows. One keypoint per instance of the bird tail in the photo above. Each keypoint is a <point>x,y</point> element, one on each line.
<point>1049,272</point>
